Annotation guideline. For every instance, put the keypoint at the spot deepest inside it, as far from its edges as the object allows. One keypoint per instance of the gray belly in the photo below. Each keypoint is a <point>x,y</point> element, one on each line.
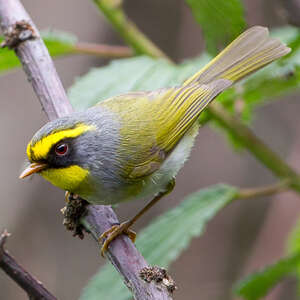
<point>148,187</point>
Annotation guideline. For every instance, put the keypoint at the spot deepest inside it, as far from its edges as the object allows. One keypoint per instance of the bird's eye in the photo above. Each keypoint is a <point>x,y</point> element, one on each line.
<point>61,149</point>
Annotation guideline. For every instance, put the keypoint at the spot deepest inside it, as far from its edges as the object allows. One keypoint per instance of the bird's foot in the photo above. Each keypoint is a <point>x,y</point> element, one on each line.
<point>75,208</point>
<point>69,197</point>
<point>109,235</point>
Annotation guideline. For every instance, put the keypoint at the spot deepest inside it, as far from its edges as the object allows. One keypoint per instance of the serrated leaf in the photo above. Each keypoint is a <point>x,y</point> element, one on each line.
<point>221,21</point>
<point>163,241</point>
<point>124,75</point>
<point>58,43</point>
<point>257,285</point>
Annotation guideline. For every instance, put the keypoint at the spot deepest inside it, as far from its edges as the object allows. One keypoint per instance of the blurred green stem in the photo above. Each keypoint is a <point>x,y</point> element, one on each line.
<point>263,191</point>
<point>112,9</point>
<point>250,141</point>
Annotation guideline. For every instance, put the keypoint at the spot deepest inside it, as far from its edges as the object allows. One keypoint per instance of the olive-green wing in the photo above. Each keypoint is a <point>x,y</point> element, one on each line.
<point>154,122</point>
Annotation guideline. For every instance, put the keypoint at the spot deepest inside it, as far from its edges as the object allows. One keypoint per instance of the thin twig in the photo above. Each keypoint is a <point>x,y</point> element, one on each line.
<point>101,50</point>
<point>216,110</point>
<point>34,288</point>
<point>49,90</point>
<point>263,191</point>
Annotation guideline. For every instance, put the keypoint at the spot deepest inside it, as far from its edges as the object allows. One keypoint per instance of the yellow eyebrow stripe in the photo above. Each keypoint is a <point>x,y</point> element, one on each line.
<point>42,147</point>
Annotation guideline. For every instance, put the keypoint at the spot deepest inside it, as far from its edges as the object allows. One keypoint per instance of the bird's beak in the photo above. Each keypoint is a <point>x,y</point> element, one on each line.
<point>32,168</point>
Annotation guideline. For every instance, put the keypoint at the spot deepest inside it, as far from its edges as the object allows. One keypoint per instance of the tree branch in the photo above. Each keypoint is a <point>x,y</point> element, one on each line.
<point>216,110</point>
<point>101,50</point>
<point>27,282</point>
<point>40,71</point>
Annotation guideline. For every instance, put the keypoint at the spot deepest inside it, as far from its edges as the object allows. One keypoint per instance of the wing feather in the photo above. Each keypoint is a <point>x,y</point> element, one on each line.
<point>152,123</point>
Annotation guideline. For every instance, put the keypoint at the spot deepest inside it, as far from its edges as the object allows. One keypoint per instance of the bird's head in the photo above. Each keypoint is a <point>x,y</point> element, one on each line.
<point>56,152</point>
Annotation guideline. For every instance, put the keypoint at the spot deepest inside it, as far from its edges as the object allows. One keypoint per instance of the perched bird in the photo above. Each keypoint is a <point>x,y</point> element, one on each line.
<point>133,145</point>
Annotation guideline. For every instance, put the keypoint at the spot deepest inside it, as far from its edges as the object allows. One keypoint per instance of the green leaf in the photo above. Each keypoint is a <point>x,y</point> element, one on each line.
<point>293,245</point>
<point>132,74</point>
<point>164,240</point>
<point>221,21</point>
<point>8,59</point>
<point>293,248</point>
<point>58,43</point>
<point>257,285</point>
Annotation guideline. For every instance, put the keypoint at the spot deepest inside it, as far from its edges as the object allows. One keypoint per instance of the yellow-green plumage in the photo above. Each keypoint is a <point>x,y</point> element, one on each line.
<point>142,139</point>
<point>163,117</point>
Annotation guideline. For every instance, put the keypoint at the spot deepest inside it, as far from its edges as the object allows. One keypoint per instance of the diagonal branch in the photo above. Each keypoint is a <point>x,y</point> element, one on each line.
<point>24,38</point>
<point>27,282</point>
<point>106,51</point>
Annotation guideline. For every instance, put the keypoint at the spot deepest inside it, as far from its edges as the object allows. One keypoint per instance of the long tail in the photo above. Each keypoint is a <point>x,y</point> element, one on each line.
<point>249,52</point>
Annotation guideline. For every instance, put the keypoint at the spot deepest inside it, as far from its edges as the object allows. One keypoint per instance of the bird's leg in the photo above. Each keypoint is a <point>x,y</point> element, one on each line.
<point>124,228</point>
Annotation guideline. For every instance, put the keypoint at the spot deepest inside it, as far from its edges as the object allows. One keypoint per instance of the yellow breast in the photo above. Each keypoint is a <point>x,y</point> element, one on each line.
<point>73,179</point>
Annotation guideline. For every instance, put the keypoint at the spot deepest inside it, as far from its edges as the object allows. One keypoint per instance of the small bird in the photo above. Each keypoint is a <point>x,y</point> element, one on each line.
<point>132,146</point>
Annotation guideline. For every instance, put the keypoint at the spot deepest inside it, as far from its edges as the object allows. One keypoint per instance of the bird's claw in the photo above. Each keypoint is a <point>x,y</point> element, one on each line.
<point>109,235</point>
<point>67,196</point>
<point>70,196</point>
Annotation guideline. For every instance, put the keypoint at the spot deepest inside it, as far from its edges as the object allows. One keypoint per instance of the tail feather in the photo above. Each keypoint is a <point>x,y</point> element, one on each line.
<point>251,51</point>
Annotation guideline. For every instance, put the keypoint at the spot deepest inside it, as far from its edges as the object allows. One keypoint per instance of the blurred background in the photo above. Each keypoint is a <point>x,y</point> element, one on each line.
<point>242,238</point>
